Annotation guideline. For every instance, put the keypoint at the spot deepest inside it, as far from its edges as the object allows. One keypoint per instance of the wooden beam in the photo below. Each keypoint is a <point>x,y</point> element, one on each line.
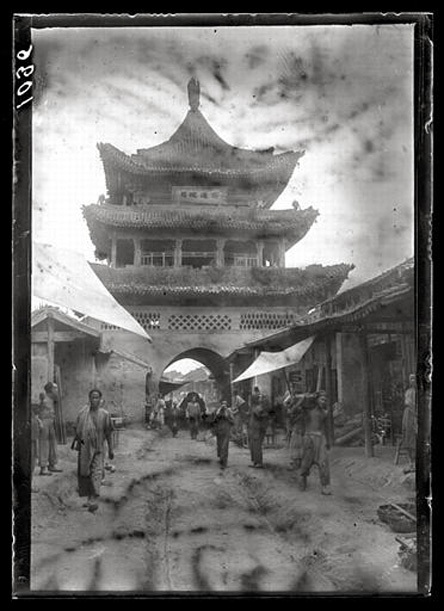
<point>113,249</point>
<point>57,336</point>
<point>137,252</point>
<point>220,257</point>
<point>50,346</point>
<point>366,413</point>
<point>329,387</point>
<point>372,330</point>
<point>178,253</point>
<point>260,252</point>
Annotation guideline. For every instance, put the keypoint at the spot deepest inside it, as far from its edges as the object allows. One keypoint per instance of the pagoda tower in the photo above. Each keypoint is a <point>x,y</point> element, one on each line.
<point>193,250</point>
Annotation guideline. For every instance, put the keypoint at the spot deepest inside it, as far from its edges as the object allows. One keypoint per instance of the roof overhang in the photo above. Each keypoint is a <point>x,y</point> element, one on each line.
<point>48,313</point>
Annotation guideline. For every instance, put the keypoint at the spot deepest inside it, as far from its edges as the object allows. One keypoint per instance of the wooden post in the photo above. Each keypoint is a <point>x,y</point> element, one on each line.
<point>178,253</point>
<point>329,388</point>
<point>281,256</point>
<point>59,408</point>
<point>220,258</point>
<point>366,414</point>
<point>231,384</point>
<point>137,252</point>
<point>113,250</point>
<point>50,346</point>
<point>260,253</point>
<point>286,380</point>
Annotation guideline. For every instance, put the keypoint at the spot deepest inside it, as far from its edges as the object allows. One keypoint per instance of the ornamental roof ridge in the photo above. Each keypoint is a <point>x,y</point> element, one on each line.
<point>196,145</point>
<point>177,159</point>
<point>141,212</point>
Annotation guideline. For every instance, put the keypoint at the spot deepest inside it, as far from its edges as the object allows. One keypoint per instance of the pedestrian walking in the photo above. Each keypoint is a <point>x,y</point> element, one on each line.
<point>296,424</point>
<point>222,422</point>
<point>238,427</point>
<point>48,438</point>
<point>93,427</point>
<point>193,413</point>
<point>315,444</point>
<point>257,427</point>
<point>173,418</point>
<point>157,417</point>
<point>410,422</point>
<point>36,427</point>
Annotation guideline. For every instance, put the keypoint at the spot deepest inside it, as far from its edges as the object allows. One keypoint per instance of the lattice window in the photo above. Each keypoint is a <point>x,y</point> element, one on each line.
<point>199,322</point>
<point>264,320</point>
<point>148,320</point>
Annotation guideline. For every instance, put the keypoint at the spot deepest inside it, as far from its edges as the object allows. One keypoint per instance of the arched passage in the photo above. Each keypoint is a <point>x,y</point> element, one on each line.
<point>215,363</point>
<point>210,359</point>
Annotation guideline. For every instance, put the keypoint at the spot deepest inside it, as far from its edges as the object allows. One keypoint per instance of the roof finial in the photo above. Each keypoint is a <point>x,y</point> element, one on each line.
<point>193,93</point>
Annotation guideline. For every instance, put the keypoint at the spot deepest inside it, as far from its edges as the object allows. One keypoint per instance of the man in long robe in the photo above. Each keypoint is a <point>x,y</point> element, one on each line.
<point>257,427</point>
<point>157,417</point>
<point>237,411</point>
<point>295,425</point>
<point>48,439</point>
<point>173,418</point>
<point>36,427</point>
<point>93,427</point>
<point>194,415</point>
<point>222,422</point>
<point>410,421</point>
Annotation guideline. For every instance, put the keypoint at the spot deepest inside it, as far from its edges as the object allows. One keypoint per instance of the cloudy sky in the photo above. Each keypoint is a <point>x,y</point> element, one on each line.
<point>344,94</point>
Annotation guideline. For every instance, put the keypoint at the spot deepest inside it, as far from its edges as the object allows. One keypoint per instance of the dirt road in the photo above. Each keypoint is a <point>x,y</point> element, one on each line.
<point>171,520</point>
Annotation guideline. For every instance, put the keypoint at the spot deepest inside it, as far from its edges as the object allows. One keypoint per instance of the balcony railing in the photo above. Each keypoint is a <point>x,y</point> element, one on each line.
<point>241,260</point>
<point>209,257</point>
<point>166,259</point>
<point>157,259</point>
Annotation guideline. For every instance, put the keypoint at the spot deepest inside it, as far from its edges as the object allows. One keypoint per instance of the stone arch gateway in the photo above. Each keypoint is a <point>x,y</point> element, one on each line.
<point>214,362</point>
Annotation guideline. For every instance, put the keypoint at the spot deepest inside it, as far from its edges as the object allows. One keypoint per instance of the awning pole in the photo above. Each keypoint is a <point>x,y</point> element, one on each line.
<point>369,450</point>
<point>50,345</point>
<point>329,387</point>
<point>286,380</point>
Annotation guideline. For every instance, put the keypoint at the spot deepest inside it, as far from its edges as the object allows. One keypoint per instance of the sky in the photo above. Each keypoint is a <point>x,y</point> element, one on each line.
<point>343,94</point>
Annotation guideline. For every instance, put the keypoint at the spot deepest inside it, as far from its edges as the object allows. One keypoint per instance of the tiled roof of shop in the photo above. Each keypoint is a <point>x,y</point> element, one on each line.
<point>349,307</point>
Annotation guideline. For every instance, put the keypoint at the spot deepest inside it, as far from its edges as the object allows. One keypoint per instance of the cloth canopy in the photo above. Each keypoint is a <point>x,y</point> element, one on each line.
<point>272,361</point>
<point>65,278</point>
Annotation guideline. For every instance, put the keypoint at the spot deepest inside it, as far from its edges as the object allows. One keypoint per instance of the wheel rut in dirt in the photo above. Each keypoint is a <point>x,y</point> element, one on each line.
<point>174,522</point>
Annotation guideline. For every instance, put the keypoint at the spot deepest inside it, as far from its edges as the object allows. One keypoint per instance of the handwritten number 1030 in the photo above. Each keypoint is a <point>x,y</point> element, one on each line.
<point>24,72</point>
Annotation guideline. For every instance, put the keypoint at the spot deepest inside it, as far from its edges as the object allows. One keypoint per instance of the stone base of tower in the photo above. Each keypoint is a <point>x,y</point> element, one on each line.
<point>201,334</point>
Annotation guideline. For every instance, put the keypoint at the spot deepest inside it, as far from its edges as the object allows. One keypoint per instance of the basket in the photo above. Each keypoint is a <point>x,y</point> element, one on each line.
<point>397,521</point>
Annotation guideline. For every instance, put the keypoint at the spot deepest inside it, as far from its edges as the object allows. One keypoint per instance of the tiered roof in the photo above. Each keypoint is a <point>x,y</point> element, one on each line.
<point>256,223</point>
<point>137,285</point>
<point>195,148</point>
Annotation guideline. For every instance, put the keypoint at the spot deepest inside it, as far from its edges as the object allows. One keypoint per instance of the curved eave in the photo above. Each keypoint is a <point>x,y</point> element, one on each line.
<point>289,224</point>
<point>270,167</point>
<point>316,285</point>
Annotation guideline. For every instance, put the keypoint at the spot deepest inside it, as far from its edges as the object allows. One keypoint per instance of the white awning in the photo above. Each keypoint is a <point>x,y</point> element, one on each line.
<point>65,278</point>
<point>272,361</point>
